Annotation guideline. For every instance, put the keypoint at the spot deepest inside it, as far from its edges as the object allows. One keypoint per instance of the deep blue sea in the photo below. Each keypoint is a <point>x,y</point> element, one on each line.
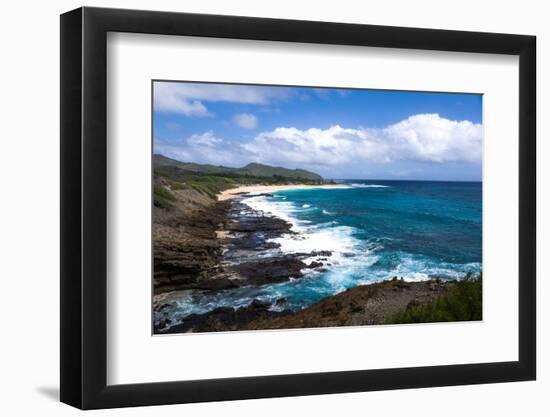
<point>376,230</point>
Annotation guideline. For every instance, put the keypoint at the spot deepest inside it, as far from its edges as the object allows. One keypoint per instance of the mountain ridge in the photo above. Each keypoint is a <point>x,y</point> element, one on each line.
<point>253,169</point>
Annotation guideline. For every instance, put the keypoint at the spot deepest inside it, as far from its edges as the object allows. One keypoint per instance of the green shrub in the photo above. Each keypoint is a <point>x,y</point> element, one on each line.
<point>209,184</point>
<point>205,189</point>
<point>162,197</point>
<point>462,303</point>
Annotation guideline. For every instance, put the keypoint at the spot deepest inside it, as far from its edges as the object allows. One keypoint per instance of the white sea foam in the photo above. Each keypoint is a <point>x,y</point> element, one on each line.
<point>336,187</point>
<point>306,206</point>
<point>276,208</point>
<point>370,186</point>
<point>308,238</point>
<point>338,240</point>
<point>324,187</point>
<point>348,256</point>
<point>414,268</point>
<point>351,258</point>
<point>322,237</point>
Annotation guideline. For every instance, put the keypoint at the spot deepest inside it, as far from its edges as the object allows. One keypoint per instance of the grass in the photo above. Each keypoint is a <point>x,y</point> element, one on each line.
<point>207,184</point>
<point>162,197</point>
<point>462,303</point>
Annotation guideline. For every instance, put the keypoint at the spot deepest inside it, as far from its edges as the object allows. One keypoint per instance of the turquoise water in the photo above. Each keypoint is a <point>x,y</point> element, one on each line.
<point>375,230</point>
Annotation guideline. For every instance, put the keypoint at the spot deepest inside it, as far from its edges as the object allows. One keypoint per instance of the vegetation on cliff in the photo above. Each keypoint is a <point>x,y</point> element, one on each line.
<point>209,180</point>
<point>462,303</point>
<point>188,219</point>
<point>162,197</point>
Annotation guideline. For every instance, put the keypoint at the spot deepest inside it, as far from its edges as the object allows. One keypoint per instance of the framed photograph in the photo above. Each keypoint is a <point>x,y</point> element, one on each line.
<point>258,208</point>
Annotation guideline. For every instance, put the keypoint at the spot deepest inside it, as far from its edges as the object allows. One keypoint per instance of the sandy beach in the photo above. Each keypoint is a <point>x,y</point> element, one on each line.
<point>234,192</point>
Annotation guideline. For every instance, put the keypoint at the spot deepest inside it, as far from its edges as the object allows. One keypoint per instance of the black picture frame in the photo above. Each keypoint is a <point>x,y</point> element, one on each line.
<point>84,207</point>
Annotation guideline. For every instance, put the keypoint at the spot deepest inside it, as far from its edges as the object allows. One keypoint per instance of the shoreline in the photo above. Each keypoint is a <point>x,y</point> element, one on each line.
<point>243,189</point>
<point>231,249</point>
<point>369,304</point>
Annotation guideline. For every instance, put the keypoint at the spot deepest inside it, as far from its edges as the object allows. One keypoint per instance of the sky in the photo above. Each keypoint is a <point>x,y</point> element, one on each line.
<point>337,133</point>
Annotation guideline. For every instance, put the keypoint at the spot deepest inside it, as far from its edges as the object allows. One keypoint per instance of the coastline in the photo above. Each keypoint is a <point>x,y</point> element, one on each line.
<point>216,248</point>
<point>224,245</point>
<point>363,305</point>
<point>244,189</point>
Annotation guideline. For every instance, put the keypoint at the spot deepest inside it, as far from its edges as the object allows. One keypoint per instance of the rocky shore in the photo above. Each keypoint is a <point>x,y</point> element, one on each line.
<point>220,246</point>
<point>358,306</point>
<point>212,246</point>
<point>207,245</point>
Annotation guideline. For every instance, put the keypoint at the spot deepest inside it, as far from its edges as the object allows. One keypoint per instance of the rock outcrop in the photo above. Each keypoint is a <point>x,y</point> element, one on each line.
<point>358,306</point>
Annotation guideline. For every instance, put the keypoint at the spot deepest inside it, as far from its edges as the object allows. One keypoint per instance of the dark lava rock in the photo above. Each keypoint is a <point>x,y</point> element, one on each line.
<point>258,305</point>
<point>355,308</point>
<point>186,249</point>
<point>218,284</point>
<point>164,322</point>
<point>361,305</point>
<point>324,253</point>
<point>224,318</point>
<point>246,220</point>
<point>270,270</point>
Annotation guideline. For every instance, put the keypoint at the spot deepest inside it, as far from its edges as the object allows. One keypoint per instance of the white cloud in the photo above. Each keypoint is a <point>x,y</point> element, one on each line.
<point>245,120</point>
<point>429,137</point>
<point>423,137</point>
<point>168,100</point>
<point>187,98</point>
<point>172,151</point>
<point>205,139</point>
<point>203,148</point>
<point>421,146</point>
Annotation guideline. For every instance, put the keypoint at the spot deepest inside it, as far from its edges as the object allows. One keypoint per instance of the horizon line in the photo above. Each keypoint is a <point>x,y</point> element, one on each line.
<point>396,179</point>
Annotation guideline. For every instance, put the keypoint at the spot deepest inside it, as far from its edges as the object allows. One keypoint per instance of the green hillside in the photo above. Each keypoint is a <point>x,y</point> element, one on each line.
<point>250,170</point>
<point>208,180</point>
<point>259,170</point>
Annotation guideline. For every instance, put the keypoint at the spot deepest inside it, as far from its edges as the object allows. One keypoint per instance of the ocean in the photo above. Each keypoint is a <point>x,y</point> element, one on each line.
<point>375,230</point>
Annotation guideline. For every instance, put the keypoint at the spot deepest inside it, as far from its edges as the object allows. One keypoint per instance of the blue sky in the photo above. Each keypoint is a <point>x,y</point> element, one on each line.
<point>338,133</point>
